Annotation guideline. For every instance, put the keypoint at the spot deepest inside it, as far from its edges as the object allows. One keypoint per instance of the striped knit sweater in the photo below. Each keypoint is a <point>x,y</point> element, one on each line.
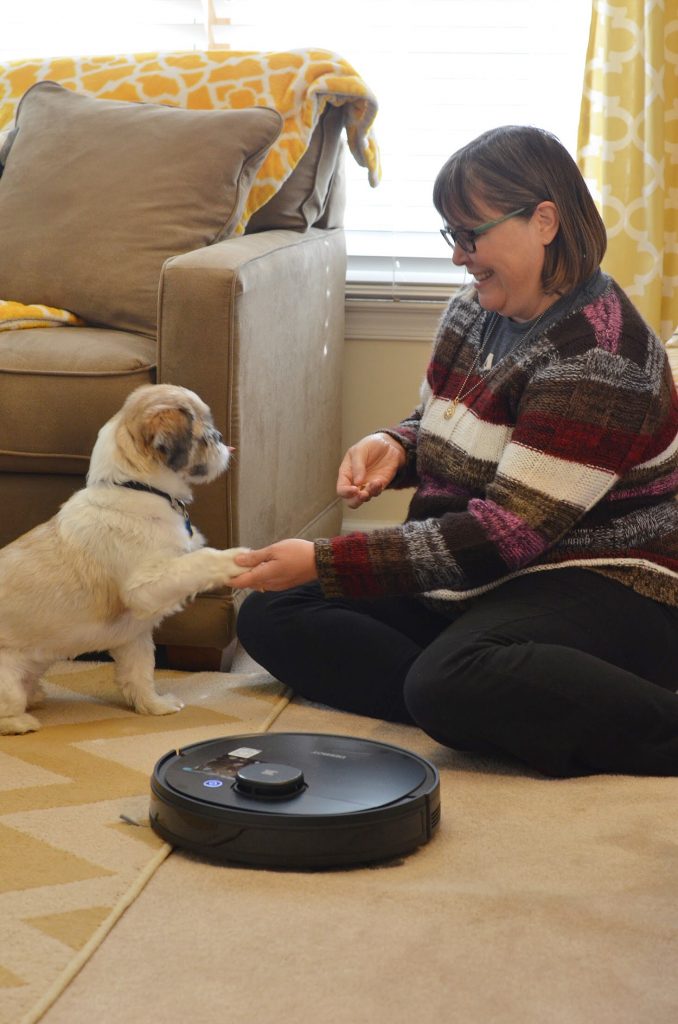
<point>565,453</point>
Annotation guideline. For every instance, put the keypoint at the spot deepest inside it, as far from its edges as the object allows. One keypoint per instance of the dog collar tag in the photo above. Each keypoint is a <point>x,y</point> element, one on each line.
<point>177,504</point>
<point>181,508</point>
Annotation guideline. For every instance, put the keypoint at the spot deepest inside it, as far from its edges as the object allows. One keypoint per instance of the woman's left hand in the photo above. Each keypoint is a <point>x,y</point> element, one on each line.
<point>288,563</point>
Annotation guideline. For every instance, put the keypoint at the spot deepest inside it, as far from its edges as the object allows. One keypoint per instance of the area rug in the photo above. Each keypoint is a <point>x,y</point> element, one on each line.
<point>74,849</point>
<point>538,901</point>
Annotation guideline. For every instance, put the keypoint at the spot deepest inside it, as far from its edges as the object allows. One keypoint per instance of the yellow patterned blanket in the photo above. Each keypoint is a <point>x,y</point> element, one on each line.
<point>297,83</point>
<point>14,315</point>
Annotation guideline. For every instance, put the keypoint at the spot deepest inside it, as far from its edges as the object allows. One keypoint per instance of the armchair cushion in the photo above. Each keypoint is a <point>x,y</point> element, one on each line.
<point>57,386</point>
<point>96,194</point>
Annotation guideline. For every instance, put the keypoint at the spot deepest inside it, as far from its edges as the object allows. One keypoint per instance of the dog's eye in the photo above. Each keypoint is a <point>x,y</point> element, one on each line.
<point>211,437</point>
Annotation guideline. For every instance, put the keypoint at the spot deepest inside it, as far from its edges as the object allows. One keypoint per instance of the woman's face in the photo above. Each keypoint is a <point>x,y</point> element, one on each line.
<point>508,262</point>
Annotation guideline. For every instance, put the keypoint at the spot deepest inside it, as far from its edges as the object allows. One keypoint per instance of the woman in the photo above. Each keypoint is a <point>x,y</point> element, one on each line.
<point>529,604</point>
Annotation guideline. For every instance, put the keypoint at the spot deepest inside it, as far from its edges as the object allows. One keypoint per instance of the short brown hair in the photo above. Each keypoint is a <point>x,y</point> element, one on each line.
<point>516,166</point>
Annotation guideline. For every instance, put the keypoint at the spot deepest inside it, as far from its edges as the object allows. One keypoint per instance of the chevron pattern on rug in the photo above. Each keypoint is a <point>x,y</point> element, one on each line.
<point>75,846</point>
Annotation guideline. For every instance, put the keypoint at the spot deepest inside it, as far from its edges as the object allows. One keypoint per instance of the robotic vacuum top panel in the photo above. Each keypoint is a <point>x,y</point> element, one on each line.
<point>340,775</point>
<point>295,799</point>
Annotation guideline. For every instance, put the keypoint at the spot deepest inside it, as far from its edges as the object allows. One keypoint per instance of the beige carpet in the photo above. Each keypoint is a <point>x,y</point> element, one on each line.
<point>537,902</point>
<point>69,861</point>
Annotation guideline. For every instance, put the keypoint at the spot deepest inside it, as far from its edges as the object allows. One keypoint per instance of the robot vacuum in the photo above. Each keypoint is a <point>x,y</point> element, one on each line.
<point>295,800</point>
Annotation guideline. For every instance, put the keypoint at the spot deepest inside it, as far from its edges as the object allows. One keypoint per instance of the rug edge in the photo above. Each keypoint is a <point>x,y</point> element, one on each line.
<point>106,926</point>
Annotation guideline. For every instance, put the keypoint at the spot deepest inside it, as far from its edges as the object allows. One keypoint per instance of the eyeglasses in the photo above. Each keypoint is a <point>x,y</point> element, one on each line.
<point>466,237</point>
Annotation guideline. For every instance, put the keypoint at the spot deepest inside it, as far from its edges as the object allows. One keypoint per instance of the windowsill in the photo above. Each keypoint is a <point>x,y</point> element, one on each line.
<point>394,313</point>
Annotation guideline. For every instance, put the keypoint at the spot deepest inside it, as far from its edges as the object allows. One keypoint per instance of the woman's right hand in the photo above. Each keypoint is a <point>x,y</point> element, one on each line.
<point>368,467</point>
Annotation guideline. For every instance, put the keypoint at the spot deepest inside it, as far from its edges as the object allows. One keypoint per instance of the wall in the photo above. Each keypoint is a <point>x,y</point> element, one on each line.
<point>387,351</point>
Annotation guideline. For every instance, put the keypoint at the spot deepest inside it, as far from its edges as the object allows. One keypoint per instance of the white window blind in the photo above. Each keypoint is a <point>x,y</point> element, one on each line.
<point>63,28</point>
<point>442,70</point>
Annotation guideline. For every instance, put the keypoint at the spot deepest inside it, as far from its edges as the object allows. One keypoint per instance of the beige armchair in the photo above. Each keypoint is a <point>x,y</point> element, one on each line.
<point>254,323</point>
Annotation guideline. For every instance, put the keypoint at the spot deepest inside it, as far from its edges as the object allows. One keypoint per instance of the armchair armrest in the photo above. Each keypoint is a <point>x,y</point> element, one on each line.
<point>255,326</point>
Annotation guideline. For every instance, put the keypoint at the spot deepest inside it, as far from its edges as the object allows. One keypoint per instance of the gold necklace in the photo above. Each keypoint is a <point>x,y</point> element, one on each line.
<point>461,394</point>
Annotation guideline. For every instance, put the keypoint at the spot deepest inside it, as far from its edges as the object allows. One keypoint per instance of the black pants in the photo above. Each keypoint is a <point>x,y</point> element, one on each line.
<point>568,671</point>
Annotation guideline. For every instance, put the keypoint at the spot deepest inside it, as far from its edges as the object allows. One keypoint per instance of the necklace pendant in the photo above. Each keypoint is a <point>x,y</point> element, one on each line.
<point>451,409</point>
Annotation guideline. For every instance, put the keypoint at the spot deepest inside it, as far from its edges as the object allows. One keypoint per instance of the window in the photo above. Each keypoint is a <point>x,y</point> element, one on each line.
<point>62,28</point>
<point>442,71</point>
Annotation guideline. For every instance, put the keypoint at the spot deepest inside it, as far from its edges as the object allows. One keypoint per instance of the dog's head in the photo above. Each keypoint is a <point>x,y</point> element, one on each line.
<point>162,432</point>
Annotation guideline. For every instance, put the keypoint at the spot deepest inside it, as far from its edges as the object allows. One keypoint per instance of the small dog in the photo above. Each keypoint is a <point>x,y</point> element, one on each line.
<point>118,557</point>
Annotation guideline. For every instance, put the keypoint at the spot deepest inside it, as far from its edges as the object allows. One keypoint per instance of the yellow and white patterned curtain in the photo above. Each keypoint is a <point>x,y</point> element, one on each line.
<point>628,148</point>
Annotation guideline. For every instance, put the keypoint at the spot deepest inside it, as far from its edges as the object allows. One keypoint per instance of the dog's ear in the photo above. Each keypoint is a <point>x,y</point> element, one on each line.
<point>168,433</point>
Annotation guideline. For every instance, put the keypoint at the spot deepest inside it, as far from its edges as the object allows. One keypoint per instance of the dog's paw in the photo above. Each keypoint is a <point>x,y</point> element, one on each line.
<point>154,704</point>
<point>231,569</point>
<point>17,725</point>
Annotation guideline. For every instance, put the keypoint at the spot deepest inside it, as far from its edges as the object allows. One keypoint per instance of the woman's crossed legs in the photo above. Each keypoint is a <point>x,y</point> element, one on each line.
<point>568,671</point>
